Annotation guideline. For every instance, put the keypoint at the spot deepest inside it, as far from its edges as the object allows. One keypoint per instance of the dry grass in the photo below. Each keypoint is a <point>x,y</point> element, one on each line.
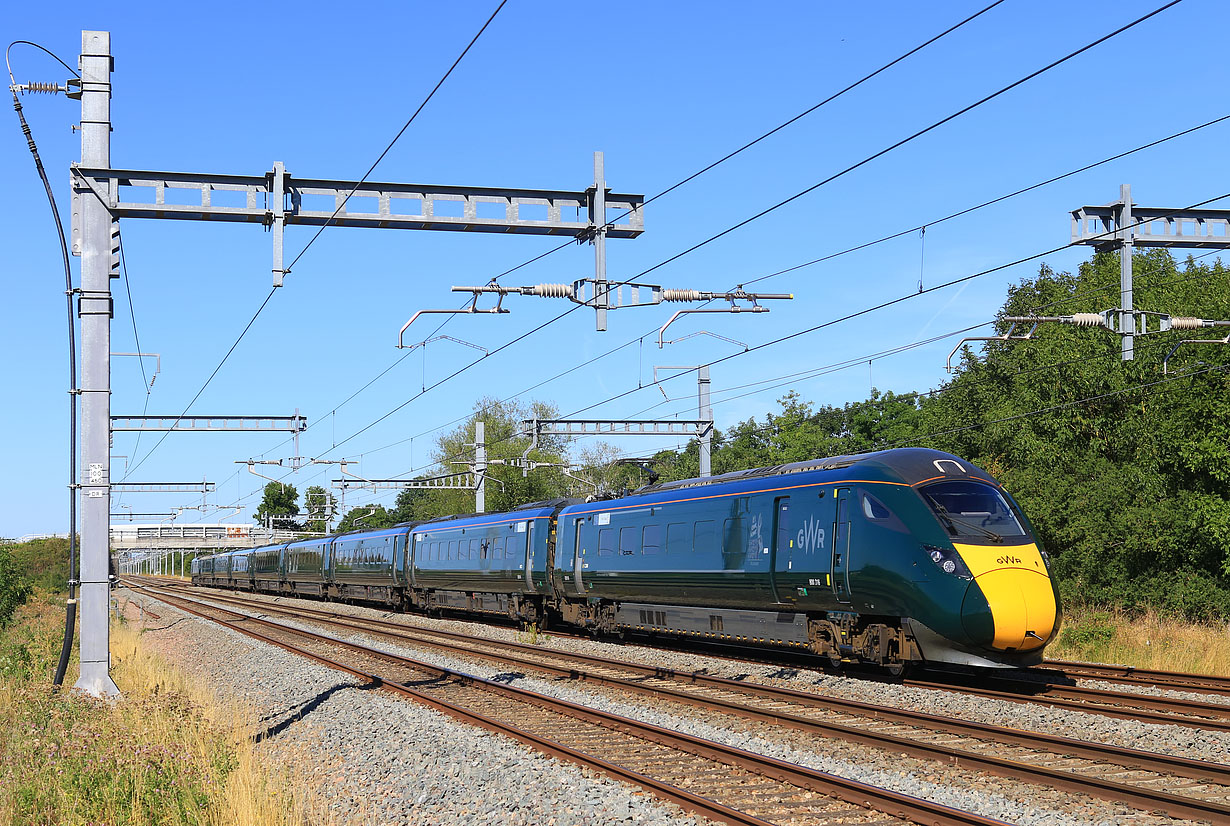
<point>1145,641</point>
<point>167,753</point>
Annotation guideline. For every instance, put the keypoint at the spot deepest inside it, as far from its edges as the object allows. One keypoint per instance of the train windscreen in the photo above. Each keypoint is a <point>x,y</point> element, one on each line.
<point>973,510</point>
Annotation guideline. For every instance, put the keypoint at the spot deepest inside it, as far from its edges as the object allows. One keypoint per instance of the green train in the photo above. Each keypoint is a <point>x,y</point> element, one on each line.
<point>894,557</point>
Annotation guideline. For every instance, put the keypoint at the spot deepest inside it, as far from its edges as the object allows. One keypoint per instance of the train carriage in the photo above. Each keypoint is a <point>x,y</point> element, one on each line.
<point>899,555</point>
<point>891,557</point>
<point>491,563</point>
<point>268,567</point>
<point>303,565</point>
<point>365,565</point>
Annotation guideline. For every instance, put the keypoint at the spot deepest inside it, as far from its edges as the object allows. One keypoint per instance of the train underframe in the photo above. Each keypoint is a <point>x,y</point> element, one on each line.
<point>839,636</point>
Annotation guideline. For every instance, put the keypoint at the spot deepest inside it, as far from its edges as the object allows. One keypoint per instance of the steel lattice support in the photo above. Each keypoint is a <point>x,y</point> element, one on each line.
<point>246,424</point>
<point>102,195</point>
<point>1122,225</point>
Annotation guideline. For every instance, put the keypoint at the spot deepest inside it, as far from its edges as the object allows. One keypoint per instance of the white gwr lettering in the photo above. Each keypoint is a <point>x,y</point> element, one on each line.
<point>811,536</point>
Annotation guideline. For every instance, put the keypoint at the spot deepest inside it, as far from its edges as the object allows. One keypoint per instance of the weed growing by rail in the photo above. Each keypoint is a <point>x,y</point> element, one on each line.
<point>1149,640</point>
<point>164,754</point>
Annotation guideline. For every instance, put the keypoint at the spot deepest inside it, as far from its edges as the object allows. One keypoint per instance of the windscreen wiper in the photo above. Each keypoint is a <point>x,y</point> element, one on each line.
<point>954,521</point>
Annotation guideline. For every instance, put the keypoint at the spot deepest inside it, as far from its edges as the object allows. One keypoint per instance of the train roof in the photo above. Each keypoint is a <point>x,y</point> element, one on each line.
<point>912,465</point>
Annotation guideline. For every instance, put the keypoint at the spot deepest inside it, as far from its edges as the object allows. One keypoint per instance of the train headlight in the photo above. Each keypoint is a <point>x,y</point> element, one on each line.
<point>948,561</point>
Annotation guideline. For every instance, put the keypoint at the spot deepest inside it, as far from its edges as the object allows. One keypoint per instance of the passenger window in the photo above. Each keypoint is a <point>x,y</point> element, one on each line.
<point>704,536</point>
<point>651,539</point>
<point>678,538</point>
<point>733,540</point>
<point>474,550</point>
<point>873,509</point>
<point>606,542</point>
<point>452,550</point>
<point>629,541</point>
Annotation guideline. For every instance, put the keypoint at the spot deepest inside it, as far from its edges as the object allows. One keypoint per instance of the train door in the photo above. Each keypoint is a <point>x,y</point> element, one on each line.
<point>783,553</point>
<point>400,557</point>
<point>577,559</point>
<point>841,547</point>
<point>528,556</point>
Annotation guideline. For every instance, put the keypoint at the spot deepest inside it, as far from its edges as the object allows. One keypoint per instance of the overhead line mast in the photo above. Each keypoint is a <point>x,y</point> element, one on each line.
<point>102,195</point>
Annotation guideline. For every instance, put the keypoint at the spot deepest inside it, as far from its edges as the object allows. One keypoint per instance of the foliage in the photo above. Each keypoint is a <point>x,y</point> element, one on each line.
<point>163,755</point>
<point>320,505</point>
<point>1143,640</point>
<point>14,590</point>
<point>43,562</point>
<point>507,487</point>
<point>366,517</point>
<point>1124,471</point>
<point>280,500</point>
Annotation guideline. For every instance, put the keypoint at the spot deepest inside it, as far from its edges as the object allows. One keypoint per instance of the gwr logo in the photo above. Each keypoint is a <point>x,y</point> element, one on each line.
<point>811,537</point>
<point>1009,559</point>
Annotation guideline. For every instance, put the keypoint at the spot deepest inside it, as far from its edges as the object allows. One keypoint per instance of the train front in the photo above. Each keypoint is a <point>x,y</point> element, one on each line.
<point>1010,610</point>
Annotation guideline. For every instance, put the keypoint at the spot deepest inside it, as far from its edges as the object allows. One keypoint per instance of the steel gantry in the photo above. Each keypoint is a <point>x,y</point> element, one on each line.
<point>1122,225</point>
<point>701,427</point>
<point>101,196</point>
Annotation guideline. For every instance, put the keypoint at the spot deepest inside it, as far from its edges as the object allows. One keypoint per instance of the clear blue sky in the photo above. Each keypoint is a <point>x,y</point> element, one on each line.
<point>662,89</point>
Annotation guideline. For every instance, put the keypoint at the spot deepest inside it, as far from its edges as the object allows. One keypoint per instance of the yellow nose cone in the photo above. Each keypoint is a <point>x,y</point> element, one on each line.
<point>1022,607</point>
<point>1017,587</point>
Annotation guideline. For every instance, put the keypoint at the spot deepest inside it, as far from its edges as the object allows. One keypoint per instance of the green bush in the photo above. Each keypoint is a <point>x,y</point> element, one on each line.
<point>43,563</point>
<point>13,589</point>
<point>1091,630</point>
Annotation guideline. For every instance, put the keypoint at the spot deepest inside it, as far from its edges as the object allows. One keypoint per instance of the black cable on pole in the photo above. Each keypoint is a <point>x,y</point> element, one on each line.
<point>70,609</point>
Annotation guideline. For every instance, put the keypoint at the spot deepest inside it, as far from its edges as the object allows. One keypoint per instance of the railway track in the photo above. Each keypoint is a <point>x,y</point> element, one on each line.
<point>1024,688</point>
<point>1129,675</point>
<point>703,776</point>
<point>1138,778</point>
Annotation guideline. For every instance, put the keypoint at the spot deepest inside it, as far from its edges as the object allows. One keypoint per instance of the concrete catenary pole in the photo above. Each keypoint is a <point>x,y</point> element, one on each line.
<point>704,411</point>
<point>480,466</point>
<point>1127,320</point>
<point>94,310</point>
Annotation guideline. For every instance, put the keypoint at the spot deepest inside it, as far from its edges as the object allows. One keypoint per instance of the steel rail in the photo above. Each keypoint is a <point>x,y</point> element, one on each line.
<point>1152,761</point>
<point>853,792</point>
<point>1131,675</point>
<point>1121,704</point>
<point>1138,796</point>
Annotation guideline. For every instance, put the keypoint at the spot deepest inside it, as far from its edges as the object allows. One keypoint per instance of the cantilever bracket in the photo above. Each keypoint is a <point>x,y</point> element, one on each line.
<point>755,308</point>
<point>1166,360</point>
<point>1007,336</point>
<point>472,309</point>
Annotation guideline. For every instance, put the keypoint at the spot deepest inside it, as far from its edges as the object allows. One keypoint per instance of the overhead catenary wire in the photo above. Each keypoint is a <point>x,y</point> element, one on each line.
<point>845,251</point>
<point>769,210</point>
<point>864,311</point>
<point>856,361</point>
<point>296,259</point>
<point>397,137</point>
<point>693,176</point>
<point>906,140</point>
